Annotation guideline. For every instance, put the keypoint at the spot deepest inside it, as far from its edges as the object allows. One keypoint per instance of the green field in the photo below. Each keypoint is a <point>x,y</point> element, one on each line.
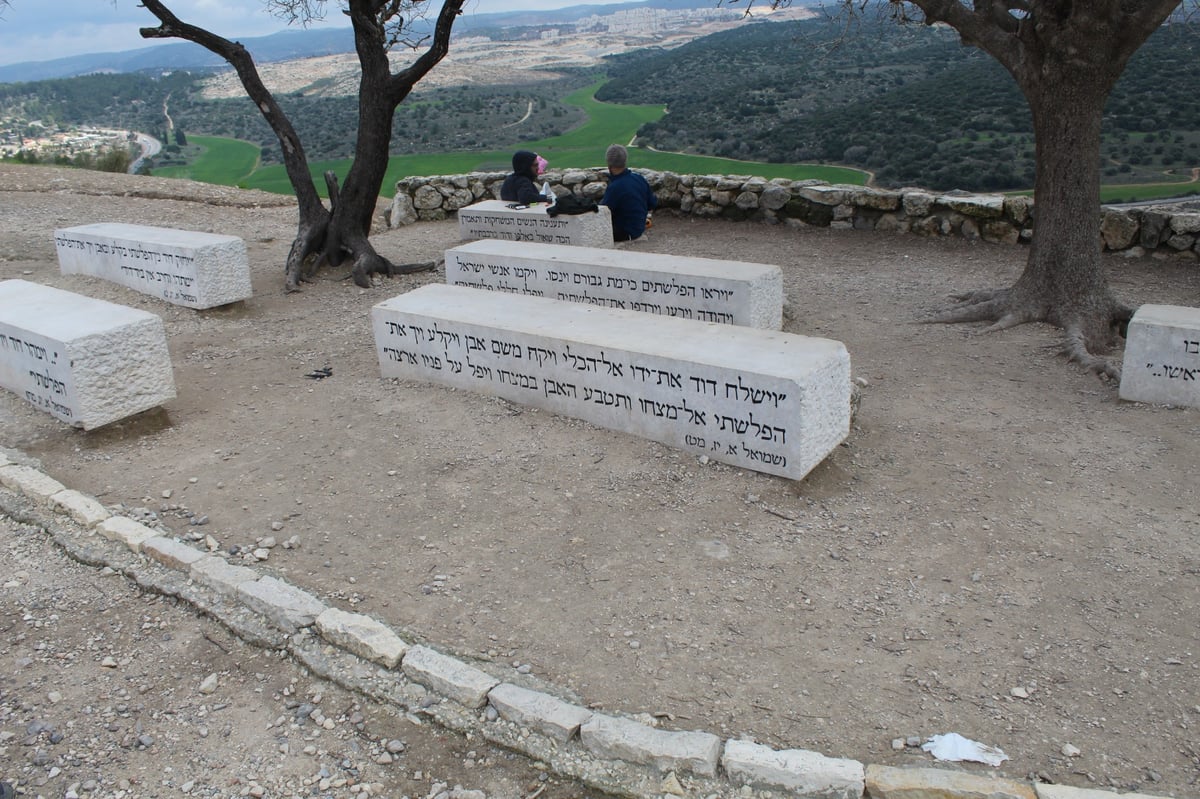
<point>583,147</point>
<point>226,162</point>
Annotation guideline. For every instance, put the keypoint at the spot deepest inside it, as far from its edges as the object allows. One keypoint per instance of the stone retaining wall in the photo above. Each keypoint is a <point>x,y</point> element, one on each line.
<point>1160,231</point>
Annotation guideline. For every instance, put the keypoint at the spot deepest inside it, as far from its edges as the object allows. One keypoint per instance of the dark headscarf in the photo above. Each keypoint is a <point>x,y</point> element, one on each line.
<point>522,163</point>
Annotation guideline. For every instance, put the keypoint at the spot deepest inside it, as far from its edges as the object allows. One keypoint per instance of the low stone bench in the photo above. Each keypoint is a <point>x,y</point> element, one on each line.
<point>197,270</point>
<point>493,219</point>
<point>764,400</point>
<point>729,292</point>
<point>1162,356</point>
<point>85,361</point>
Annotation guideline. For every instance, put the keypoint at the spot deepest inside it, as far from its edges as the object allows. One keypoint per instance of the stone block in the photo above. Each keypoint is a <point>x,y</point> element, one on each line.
<point>707,290</point>
<point>221,576</point>
<point>85,361</point>
<point>80,507</point>
<point>125,531</point>
<point>540,712</point>
<point>764,400</point>
<point>448,676</point>
<point>1162,356</point>
<point>807,773</point>
<point>362,636</point>
<point>30,482</point>
<point>887,782</point>
<point>493,219</point>
<point>171,553</point>
<point>614,738</point>
<point>1047,791</point>
<point>286,606</point>
<point>183,267</point>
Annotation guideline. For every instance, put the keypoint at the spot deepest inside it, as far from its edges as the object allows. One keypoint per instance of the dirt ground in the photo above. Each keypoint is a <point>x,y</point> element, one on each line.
<point>1002,548</point>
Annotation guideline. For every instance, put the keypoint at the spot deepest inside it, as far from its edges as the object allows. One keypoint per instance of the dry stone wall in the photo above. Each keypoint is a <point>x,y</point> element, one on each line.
<point>1161,231</point>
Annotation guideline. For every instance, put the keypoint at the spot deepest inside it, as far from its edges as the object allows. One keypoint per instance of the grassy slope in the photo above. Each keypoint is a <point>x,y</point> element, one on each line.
<point>583,147</point>
<point>226,162</point>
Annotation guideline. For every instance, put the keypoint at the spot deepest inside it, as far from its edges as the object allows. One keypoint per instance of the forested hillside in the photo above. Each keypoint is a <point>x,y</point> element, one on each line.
<point>909,103</point>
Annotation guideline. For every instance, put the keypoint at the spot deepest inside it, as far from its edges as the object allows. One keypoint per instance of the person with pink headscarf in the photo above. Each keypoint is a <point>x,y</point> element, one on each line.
<point>519,186</point>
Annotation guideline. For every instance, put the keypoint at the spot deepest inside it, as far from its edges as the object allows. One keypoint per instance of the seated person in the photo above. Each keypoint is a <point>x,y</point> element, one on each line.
<point>519,186</point>
<point>628,196</point>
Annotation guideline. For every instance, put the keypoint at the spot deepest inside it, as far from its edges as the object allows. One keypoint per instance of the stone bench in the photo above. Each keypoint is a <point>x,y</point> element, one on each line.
<point>764,400</point>
<point>85,361</point>
<point>1162,356</point>
<point>493,219</point>
<point>197,270</point>
<point>729,292</point>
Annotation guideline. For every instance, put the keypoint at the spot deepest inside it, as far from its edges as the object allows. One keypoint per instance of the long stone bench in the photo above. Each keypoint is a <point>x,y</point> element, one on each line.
<point>1162,356</point>
<point>493,219</point>
<point>85,361</point>
<point>729,292</point>
<point>764,400</point>
<point>184,267</point>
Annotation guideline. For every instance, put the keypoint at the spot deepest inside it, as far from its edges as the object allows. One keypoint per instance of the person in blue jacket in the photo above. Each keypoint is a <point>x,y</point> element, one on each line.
<point>628,196</point>
<point>519,186</point>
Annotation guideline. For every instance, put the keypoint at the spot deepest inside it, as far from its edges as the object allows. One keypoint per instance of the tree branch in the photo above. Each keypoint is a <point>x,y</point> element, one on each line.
<point>239,58</point>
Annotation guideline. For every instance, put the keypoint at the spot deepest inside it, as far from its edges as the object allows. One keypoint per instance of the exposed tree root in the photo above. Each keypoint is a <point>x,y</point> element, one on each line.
<point>1075,348</point>
<point>1004,310</point>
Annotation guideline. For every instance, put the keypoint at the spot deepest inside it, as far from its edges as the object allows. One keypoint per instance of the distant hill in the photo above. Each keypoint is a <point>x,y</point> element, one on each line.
<point>294,43</point>
<point>909,103</point>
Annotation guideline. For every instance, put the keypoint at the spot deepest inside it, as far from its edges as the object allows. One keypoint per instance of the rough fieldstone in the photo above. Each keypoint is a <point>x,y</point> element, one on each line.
<point>362,636</point>
<point>426,198</point>
<point>917,203</point>
<point>285,605</point>
<point>125,531</point>
<point>886,782</point>
<point>1019,209</point>
<point>809,774</point>
<point>614,738</point>
<point>30,482</point>
<point>774,197</point>
<point>541,712</point>
<point>448,676</point>
<point>1185,223</point>
<point>80,507</point>
<point>980,206</point>
<point>1117,229</point>
<point>825,195</point>
<point>402,212</point>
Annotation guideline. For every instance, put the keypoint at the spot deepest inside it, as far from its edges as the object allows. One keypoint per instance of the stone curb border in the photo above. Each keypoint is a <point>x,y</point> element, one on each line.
<point>614,754</point>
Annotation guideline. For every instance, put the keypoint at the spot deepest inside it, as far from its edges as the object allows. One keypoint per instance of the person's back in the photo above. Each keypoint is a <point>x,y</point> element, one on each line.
<point>628,196</point>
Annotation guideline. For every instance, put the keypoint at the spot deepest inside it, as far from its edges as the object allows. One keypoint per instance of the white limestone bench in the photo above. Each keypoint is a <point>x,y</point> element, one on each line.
<point>1162,356</point>
<point>764,400</point>
<point>707,290</point>
<point>493,219</point>
<point>184,267</point>
<point>85,361</point>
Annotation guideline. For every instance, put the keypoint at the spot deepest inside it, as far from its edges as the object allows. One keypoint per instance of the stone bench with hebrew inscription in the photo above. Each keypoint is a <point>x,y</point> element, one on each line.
<point>85,361</point>
<point>764,400</point>
<point>184,267</point>
<point>707,290</point>
<point>493,219</point>
<point>1162,356</point>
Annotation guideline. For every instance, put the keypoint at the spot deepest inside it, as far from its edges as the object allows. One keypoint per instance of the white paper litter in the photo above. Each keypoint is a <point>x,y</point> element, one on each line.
<point>953,746</point>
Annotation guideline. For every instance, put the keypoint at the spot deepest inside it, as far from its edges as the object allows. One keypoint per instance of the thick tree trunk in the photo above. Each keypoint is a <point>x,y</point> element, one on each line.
<point>1063,283</point>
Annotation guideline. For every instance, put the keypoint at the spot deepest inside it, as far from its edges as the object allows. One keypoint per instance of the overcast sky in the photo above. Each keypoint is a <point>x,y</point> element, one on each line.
<point>40,30</point>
